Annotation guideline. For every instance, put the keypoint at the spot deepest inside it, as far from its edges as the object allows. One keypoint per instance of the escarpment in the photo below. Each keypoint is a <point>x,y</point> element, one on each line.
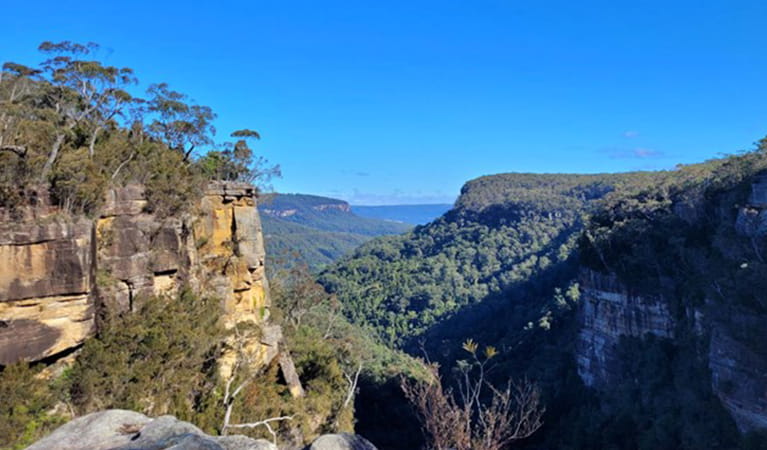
<point>47,276</point>
<point>692,274</point>
<point>609,311</point>
<point>58,273</point>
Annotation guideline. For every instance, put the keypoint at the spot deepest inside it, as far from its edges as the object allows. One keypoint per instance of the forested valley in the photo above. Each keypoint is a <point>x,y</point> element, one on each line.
<point>572,311</point>
<point>506,268</point>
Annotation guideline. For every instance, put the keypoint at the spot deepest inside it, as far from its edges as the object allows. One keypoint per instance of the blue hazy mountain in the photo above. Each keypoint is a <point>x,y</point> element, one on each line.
<point>314,230</point>
<point>410,214</point>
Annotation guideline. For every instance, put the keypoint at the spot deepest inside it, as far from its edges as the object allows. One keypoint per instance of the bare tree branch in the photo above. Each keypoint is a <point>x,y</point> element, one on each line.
<point>19,150</point>
<point>264,423</point>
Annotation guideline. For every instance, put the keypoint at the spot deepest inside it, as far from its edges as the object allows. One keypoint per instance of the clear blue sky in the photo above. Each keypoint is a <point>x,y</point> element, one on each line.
<point>403,101</point>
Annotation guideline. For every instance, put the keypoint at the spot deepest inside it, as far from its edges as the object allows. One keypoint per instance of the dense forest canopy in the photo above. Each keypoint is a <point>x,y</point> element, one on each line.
<point>73,126</point>
<point>503,230</point>
<point>503,267</point>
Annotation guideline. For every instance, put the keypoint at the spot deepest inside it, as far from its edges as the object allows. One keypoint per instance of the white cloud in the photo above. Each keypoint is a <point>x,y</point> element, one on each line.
<point>634,153</point>
<point>397,197</point>
<point>630,134</point>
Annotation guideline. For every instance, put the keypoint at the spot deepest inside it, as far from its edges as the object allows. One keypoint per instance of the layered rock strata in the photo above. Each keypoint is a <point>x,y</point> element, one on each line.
<point>56,271</point>
<point>609,311</point>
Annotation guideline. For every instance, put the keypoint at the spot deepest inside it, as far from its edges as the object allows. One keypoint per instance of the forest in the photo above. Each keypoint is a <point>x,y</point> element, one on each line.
<point>315,231</point>
<point>504,230</point>
<point>505,268</point>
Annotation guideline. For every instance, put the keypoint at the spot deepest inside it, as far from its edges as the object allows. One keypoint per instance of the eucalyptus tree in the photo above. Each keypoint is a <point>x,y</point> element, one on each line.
<point>16,85</point>
<point>235,161</point>
<point>82,92</point>
<point>182,125</point>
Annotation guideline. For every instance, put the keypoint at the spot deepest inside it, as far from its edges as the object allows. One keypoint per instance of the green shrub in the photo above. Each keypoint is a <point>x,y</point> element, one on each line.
<point>157,360</point>
<point>26,406</point>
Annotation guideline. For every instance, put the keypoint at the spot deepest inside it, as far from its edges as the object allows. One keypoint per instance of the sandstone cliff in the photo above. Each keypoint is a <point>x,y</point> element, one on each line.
<point>609,311</point>
<point>58,273</point>
<point>705,314</point>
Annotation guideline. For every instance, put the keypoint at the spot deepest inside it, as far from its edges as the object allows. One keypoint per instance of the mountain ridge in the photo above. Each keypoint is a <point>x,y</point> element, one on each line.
<point>311,230</point>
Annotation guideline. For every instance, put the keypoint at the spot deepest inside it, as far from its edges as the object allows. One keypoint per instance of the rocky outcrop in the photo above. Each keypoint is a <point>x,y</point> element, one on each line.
<point>56,272</point>
<point>122,430</point>
<point>724,334</point>
<point>46,279</point>
<point>118,429</point>
<point>609,311</point>
<point>752,217</point>
<point>279,212</point>
<point>341,441</point>
<point>739,372</point>
<point>230,252</point>
<point>343,207</point>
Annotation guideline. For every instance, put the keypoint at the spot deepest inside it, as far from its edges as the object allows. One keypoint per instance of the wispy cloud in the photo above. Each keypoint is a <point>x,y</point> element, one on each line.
<point>630,134</point>
<point>396,197</point>
<point>634,153</point>
<point>356,173</point>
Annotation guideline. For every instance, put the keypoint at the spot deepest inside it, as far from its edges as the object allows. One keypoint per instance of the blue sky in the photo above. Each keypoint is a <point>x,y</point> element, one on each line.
<point>404,101</point>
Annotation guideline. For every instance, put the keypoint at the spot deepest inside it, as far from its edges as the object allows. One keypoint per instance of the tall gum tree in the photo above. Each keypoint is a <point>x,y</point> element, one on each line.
<point>82,91</point>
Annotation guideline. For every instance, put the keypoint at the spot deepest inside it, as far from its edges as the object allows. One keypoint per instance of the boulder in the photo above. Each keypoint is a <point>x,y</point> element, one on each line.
<point>341,441</point>
<point>127,430</point>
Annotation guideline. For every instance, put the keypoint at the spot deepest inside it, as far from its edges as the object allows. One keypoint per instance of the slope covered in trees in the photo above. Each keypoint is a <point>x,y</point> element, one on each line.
<point>315,231</point>
<point>503,268</point>
<point>504,230</point>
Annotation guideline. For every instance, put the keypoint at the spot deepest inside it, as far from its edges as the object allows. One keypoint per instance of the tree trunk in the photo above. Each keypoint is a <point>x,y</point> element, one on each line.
<point>52,156</point>
<point>92,143</point>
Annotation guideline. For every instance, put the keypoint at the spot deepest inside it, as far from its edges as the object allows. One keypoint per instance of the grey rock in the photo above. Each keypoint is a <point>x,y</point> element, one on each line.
<point>341,441</point>
<point>244,443</point>
<point>96,431</point>
<point>164,432</point>
<point>184,441</point>
<point>127,430</point>
<point>608,310</point>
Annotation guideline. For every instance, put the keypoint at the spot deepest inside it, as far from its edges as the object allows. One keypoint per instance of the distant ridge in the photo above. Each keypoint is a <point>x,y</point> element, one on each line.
<point>315,230</point>
<point>410,214</point>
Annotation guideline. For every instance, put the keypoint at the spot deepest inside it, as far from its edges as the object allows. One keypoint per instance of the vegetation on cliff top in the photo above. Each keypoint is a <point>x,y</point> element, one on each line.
<point>72,126</point>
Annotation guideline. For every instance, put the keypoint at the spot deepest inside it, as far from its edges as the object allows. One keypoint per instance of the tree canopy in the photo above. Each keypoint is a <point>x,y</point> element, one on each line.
<point>73,126</point>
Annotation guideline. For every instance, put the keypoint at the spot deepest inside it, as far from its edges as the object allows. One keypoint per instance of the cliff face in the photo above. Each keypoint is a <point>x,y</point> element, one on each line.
<point>56,273</point>
<point>719,322</point>
<point>608,312</point>
<point>46,288</point>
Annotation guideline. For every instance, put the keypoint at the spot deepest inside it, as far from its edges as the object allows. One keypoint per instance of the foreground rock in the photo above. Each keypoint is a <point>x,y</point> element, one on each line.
<point>342,441</point>
<point>123,430</point>
<point>118,429</point>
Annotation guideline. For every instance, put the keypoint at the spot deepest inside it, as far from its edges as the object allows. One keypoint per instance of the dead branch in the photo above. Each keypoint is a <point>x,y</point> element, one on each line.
<point>352,385</point>
<point>265,423</point>
<point>19,150</point>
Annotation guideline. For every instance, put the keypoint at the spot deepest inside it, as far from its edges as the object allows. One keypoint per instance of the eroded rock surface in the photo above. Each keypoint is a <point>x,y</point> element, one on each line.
<point>56,271</point>
<point>46,278</point>
<point>729,338</point>
<point>341,441</point>
<point>609,311</point>
<point>118,429</point>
